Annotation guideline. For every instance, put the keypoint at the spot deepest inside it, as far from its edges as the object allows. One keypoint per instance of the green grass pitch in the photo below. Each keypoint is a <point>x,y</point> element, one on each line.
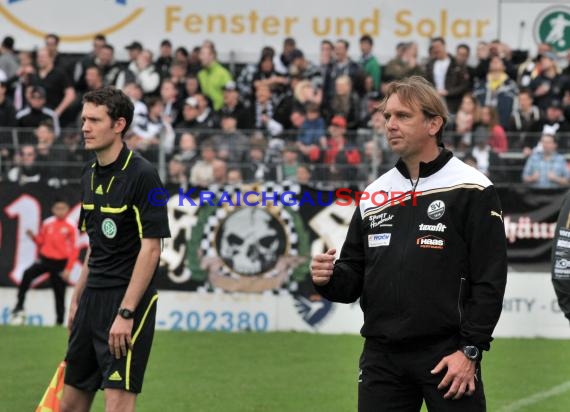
<point>297,372</point>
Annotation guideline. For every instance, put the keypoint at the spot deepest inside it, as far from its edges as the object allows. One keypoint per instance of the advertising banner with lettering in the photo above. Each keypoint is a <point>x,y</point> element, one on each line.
<point>241,28</point>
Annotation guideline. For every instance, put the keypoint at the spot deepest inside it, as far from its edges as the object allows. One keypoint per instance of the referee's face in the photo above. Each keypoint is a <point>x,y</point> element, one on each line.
<point>99,131</point>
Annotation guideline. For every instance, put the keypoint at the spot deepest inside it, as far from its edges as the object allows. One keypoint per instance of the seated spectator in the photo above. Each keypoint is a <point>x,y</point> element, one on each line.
<point>256,169</point>
<point>191,86</point>
<point>305,93</point>
<point>37,112</point>
<point>232,145</point>
<point>546,168</point>
<point>345,103</point>
<point>554,117</point>
<point>340,157</point>
<point>25,78</point>
<point>312,131</point>
<point>187,150</point>
<point>50,155</point>
<point>464,122</point>
<point>234,106</point>
<point>7,110</point>
<point>202,173</point>
<point>164,61</point>
<point>234,177</point>
<point>169,95</point>
<point>487,161</point>
<point>302,68</point>
<point>155,132</point>
<point>303,176</point>
<point>219,171</point>
<point>26,170</point>
<point>497,136</point>
<point>290,163</point>
<point>189,114</point>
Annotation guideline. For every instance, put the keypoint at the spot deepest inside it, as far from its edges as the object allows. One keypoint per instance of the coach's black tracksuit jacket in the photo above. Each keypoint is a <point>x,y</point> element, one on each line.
<point>430,269</point>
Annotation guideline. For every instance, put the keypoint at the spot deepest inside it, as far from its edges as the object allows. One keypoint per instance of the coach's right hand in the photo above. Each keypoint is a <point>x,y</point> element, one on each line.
<point>322,267</point>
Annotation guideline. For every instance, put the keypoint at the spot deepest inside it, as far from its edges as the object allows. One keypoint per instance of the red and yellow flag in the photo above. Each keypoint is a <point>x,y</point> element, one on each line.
<point>52,395</point>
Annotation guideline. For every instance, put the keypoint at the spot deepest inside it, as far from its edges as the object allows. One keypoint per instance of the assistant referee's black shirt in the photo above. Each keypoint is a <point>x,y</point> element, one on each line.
<point>116,214</point>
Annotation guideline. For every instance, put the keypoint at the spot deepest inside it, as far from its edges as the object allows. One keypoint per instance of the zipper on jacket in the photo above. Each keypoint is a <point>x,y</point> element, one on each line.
<point>403,256</point>
<point>459,300</point>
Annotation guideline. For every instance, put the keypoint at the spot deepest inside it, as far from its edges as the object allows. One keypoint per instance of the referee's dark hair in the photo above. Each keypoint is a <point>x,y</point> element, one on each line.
<point>118,104</point>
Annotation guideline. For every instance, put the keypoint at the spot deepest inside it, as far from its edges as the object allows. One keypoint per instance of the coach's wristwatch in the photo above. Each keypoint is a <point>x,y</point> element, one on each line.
<point>126,313</point>
<point>471,352</point>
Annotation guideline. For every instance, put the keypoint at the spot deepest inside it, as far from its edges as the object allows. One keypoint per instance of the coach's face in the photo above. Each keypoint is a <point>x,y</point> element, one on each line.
<point>410,134</point>
<point>99,130</point>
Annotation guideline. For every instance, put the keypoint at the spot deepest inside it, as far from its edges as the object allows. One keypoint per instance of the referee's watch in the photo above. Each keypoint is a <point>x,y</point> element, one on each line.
<point>125,313</point>
<point>471,352</point>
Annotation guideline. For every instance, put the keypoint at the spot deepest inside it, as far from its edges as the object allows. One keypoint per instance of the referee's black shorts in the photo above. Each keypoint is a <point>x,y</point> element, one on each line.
<point>90,364</point>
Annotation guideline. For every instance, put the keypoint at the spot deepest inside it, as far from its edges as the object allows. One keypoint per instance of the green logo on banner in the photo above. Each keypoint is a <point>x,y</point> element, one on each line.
<point>109,228</point>
<point>553,27</point>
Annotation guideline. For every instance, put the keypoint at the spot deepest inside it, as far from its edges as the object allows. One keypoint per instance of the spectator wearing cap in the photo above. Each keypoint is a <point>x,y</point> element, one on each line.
<point>498,90</point>
<point>189,114</point>
<point>58,87</point>
<point>368,61</point>
<point>342,159</point>
<point>165,59</point>
<point>37,111</point>
<point>546,168</point>
<point>553,117</point>
<point>450,79</point>
<point>234,107</point>
<point>8,60</point>
<point>213,76</point>
<point>345,102</point>
<point>345,66</point>
<point>549,84</point>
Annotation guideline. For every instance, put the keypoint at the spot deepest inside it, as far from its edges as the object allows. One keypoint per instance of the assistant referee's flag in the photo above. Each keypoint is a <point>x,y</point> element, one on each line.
<point>52,396</point>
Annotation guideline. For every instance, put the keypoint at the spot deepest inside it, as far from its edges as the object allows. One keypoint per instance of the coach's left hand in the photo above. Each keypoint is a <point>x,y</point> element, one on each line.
<point>460,375</point>
<point>120,336</point>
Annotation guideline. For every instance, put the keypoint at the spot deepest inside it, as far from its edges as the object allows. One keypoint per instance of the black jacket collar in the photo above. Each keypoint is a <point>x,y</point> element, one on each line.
<point>427,169</point>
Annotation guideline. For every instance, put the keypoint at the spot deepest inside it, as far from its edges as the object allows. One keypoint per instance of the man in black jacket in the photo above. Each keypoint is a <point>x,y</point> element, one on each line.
<point>426,254</point>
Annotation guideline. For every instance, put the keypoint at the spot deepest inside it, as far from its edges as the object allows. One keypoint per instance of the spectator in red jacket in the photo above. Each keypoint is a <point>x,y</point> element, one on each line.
<point>57,254</point>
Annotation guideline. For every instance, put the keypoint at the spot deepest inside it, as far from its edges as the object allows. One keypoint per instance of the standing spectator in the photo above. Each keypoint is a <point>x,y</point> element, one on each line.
<point>465,122</point>
<point>498,91</point>
<point>51,43</point>
<point>524,119</point>
<point>302,68</point>
<point>58,252</point>
<point>26,74</point>
<point>106,62</point>
<point>267,76</point>
<point>450,79</point>
<point>396,68</point>
<point>231,143</point>
<point>89,60</point>
<point>368,61</point>
<point>340,157</point>
<point>344,66</point>
<point>487,161</point>
<point>282,61</point>
<point>8,61</point>
<point>546,168</point>
<point>169,95</point>
<point>245,79</point>
<point>145,73</point>
<point>59,89</point>
<point>326,64</point>
<point>165,59</point>
<point>424,333</point>
<point>213,77</point>
<point>549,84</point>
<point>462,53</point>
<point>264,112</point>
<point>7,110</point>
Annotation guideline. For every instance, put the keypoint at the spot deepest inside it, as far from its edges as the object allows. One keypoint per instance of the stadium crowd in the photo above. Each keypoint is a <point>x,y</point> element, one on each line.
<point>284,117</point>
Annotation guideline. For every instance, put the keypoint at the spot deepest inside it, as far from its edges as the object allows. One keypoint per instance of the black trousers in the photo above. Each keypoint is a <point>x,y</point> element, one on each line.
<point>54,268</point>
<point>400,381</point>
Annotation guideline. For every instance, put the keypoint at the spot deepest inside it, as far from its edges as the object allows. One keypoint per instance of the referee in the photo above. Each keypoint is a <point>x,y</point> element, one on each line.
<point>112,312</point>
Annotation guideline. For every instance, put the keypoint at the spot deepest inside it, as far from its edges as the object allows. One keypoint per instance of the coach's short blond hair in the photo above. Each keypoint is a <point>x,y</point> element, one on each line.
<point>416,91</point>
